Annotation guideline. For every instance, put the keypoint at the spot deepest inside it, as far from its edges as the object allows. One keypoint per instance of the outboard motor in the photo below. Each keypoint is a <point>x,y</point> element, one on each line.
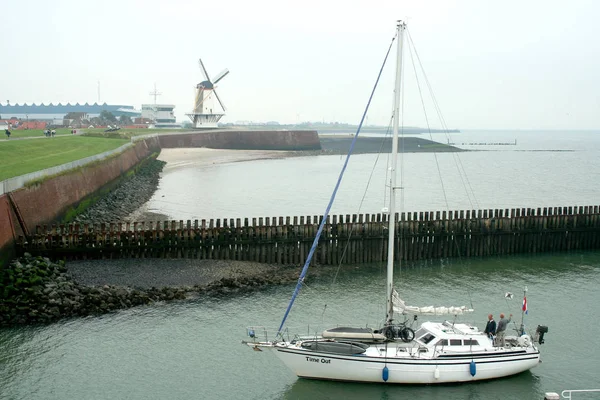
<point>539,333</point>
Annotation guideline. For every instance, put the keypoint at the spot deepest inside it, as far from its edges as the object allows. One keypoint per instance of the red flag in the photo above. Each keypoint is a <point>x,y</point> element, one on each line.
<point>525,304</point>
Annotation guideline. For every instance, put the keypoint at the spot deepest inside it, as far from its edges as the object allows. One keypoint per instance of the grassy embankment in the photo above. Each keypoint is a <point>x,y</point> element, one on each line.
<point>16,134</point>
<point>19,157</point>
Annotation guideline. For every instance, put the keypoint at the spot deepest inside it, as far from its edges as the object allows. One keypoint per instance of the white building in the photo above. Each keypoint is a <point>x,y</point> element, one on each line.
<point>162,115</point>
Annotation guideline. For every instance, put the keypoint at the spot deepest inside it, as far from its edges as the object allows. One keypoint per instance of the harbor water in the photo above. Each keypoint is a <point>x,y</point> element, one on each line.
<point>192,349</point>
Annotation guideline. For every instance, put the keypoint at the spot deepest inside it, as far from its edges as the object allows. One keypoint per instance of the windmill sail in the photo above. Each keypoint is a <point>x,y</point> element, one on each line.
<point>206,112</point>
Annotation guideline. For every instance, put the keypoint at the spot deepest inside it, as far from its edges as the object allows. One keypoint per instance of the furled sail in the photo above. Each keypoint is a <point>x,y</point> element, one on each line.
<point>401,308</point>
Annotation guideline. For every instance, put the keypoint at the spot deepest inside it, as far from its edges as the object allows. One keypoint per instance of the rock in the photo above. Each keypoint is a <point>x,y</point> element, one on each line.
<point>37,290</point>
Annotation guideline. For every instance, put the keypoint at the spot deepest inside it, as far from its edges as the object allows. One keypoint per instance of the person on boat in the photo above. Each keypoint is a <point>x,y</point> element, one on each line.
<point>490,327</point>
<point>501,329</point>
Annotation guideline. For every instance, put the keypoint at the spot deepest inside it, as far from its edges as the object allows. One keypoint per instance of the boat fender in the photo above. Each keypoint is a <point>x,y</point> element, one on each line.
<point>436,373</point>
<point>385,374</point>
<point>473,368</point>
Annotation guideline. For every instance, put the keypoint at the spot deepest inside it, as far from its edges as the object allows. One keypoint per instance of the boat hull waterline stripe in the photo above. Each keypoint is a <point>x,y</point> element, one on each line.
<point>409,372</point>
<point>410,361</point>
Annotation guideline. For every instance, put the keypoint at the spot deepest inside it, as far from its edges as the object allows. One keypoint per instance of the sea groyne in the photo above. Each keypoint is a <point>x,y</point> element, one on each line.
<point>346,239</point>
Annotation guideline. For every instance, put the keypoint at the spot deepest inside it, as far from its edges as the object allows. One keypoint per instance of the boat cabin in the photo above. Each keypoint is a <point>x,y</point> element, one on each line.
<point>452,337</point>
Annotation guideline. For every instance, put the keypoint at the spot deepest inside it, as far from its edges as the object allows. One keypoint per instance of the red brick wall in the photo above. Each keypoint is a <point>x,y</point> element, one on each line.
<point>245,140</point>
<point>43,203</point>
<point>9,229</point>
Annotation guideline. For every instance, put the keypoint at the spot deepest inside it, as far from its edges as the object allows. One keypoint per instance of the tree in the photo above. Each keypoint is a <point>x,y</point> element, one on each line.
<point>107,116</point>
<point>75,116</point>
<point>125,120</point>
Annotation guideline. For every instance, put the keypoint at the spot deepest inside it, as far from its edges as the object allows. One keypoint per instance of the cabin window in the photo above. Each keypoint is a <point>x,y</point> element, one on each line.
<point>420,332</point>
<point>427,338</point>
<point>443,342</point>
<point>455,342</point>
<point>471,342</point>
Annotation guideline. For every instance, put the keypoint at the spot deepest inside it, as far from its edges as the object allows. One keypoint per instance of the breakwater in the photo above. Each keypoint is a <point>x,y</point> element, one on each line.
<point>38,290</point>
<point>347,239</point>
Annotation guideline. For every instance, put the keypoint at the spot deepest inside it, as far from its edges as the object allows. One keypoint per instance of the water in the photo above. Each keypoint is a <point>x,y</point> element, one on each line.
<point>192,349</point>
<point>565,174</point>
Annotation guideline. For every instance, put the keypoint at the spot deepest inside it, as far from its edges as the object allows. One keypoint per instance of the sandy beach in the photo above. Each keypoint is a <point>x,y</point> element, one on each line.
<point>201,157</point>
<point>186,157</point>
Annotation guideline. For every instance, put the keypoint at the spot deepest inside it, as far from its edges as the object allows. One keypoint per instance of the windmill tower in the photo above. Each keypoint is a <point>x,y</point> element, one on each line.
<point>206,112</point>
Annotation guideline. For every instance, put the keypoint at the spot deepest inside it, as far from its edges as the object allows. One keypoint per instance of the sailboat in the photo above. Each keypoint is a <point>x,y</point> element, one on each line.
<point>436,352</point>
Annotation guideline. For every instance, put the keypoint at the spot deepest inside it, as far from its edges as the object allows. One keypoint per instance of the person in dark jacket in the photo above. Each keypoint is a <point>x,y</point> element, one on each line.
<point>490,327</point>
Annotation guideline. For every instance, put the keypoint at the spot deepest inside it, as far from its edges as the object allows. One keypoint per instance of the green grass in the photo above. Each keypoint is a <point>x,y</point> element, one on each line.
<point>18,133</point>
<point>19,157</point>
<point>124,133</point>
<point>97,132</point>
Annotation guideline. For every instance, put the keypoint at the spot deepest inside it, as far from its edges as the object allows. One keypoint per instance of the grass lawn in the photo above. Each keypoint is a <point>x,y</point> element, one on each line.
<point>98,132</point>
<point>125,132</point>
<point>19,157</point>
<point>19,133</point>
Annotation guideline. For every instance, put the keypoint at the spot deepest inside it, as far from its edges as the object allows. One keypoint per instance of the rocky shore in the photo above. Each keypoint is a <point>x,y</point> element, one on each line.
<point>37,290</point>
<point>123,200</point>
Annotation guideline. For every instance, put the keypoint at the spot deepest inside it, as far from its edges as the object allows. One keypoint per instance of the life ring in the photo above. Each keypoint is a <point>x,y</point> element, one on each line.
<point>407,334</point>
<point>389,333</point>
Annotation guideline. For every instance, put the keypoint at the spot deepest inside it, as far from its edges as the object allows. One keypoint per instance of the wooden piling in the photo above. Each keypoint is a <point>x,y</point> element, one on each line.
<point>347,239</point>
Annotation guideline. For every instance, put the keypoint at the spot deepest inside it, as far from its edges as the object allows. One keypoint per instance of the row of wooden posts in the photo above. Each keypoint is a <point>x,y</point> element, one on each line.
<point>348,239</point>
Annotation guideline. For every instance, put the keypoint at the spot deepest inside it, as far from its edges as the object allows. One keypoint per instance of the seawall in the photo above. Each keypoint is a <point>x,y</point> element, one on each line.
<point>244,140</point>
<point>50,199</point>
<point>9,230</point>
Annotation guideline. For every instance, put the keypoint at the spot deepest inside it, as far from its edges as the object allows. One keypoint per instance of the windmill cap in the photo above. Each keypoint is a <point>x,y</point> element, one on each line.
<point>205,85</point>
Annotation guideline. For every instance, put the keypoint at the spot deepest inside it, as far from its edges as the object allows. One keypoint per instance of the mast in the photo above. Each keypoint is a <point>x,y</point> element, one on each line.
<point>392,208</point>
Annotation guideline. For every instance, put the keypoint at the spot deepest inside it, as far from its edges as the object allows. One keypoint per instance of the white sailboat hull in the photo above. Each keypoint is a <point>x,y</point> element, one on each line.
<point>436,352</point>
<point>407,369</point>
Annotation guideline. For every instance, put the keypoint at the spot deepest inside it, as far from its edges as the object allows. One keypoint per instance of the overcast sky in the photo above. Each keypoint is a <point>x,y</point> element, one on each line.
<point>512,64</point>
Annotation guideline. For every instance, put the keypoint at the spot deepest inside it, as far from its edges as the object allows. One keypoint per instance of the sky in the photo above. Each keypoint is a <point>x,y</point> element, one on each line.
<point>491,64</point>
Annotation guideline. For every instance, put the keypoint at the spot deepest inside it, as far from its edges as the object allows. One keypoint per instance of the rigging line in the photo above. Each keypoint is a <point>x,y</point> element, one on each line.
<point>411,47</point>
<point>460,167</point>
<point>437,163</point>
<point>362,200</point>
<point>470,192</point>
<point>339,181</point>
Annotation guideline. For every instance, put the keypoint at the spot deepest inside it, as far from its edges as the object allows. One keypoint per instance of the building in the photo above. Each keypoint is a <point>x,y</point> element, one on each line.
<point>51,112</point>
<point>162,115</point>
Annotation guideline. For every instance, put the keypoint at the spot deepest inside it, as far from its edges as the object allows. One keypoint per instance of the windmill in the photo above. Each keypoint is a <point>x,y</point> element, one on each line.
<point>206,113</point>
